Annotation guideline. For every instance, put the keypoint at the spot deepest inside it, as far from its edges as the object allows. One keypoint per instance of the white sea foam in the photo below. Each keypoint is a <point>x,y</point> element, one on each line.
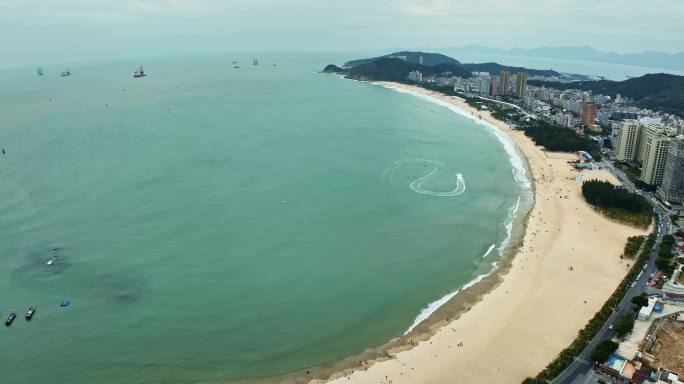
<point>520,175</point>
<point>489,250</point>
<point>432,307</point>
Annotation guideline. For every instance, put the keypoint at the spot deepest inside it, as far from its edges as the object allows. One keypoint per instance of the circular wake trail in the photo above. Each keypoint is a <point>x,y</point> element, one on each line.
<point>417,184</point>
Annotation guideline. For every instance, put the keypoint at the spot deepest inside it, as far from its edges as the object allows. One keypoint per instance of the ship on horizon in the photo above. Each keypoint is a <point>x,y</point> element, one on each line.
<point>140,72</point>
<point>65,72</point>
<point>40,70</point>
<point>255,61</point>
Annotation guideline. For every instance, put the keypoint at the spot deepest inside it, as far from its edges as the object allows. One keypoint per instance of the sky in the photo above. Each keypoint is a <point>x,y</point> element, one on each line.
<point>44,31</point>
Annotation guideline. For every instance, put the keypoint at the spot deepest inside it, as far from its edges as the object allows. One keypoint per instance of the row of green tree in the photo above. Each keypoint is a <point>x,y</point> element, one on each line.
<point>633,246</point>
<point>618,203</point>
<point>665,260</point>
<point>585,335</point>
<point>553,137</point>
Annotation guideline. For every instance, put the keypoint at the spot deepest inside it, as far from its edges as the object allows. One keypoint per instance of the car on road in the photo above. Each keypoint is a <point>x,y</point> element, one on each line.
<point>610,326</point>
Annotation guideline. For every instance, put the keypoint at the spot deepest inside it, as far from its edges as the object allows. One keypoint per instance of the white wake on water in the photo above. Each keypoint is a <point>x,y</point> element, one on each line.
<point>520,176</point>
<point>417,183</point>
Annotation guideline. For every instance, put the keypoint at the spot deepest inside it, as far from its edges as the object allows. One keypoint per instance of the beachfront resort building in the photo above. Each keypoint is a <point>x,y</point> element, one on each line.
<point>654,145</point>
<point>647,144</point>
<point>672,187</point>
<point>628,136</point>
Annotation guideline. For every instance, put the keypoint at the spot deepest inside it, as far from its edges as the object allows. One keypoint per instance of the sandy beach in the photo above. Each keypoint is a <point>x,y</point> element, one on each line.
<point>567,266</point>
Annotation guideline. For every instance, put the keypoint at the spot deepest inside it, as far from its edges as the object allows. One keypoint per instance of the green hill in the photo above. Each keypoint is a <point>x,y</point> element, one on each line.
<point>429,59</point>
<point>398,69</point>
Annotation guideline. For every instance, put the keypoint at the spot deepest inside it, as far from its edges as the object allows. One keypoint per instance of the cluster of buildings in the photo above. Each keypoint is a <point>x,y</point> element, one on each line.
<point>659,149</point>
<point>649,354</point>
<point>484,84</point>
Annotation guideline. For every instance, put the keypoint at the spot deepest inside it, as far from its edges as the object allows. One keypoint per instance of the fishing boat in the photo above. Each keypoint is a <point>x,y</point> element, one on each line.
<point>30,312</point>
<point>255,61</point>
<point>40,70</point>
<point>139,72</point>
<point>10,318</point>
<point>66,72</point>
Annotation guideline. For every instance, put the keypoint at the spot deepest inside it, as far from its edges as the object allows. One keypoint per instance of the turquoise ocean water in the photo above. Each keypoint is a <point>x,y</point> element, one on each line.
<point>213,223</point>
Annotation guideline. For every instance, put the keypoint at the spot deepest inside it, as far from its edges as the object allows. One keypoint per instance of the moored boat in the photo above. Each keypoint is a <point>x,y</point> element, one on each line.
<point>30,312</point>
<point>140,72</point>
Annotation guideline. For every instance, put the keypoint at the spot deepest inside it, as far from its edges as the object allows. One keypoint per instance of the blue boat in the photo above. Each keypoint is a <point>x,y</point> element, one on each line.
<point>10,318</point>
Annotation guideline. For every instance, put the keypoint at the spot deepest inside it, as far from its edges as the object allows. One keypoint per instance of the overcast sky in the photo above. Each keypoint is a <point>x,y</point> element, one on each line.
<point>42,31</point>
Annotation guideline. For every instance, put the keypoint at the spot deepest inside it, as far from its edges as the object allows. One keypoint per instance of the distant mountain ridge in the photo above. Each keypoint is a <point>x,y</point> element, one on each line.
<point>645,59</point>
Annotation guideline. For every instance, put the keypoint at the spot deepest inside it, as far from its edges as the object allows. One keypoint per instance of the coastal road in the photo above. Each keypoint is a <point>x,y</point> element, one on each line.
<point>580,371</point>
<point>526,113</point>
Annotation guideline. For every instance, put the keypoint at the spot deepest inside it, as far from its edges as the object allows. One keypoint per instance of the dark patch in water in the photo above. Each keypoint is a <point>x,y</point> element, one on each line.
<point>38,265</point>
<point>117,287</point>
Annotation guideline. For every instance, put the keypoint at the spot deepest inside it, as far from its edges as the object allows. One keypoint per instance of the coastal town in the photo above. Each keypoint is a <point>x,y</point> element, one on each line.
<point>638,334</point>
<point>645,150</point>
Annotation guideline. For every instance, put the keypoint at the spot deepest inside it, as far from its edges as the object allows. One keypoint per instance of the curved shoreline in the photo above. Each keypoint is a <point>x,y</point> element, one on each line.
<point>496,330</point>
<point>462,299</point>
<point>528,308</point>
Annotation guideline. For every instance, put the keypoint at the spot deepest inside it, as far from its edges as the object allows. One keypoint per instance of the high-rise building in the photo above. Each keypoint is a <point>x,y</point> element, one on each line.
<point>628,141</point>
<point>415,76</point>
<point>494,86</point>
<point>484,84</point>
<point>672,187</point>
<point>520,85</point>
<point>654,146</point>
<point>588,113</point>
<point>503,82</point>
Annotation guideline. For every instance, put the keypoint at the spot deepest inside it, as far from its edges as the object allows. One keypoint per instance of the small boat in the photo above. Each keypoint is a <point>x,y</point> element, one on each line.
<point>30,312</point>
<point>139,72</point>
<point>237,67</point>
<point>40,70</point>
<point>66,72</point>
<point>10,318</point>
<point>255,61</point>
<point>64,303</point>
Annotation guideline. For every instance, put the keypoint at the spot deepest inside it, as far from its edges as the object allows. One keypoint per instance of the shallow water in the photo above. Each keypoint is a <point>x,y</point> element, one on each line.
<point>212,223</point>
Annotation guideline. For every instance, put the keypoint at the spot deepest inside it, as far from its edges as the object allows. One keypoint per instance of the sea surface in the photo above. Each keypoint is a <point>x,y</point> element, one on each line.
<point>212,223</point>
